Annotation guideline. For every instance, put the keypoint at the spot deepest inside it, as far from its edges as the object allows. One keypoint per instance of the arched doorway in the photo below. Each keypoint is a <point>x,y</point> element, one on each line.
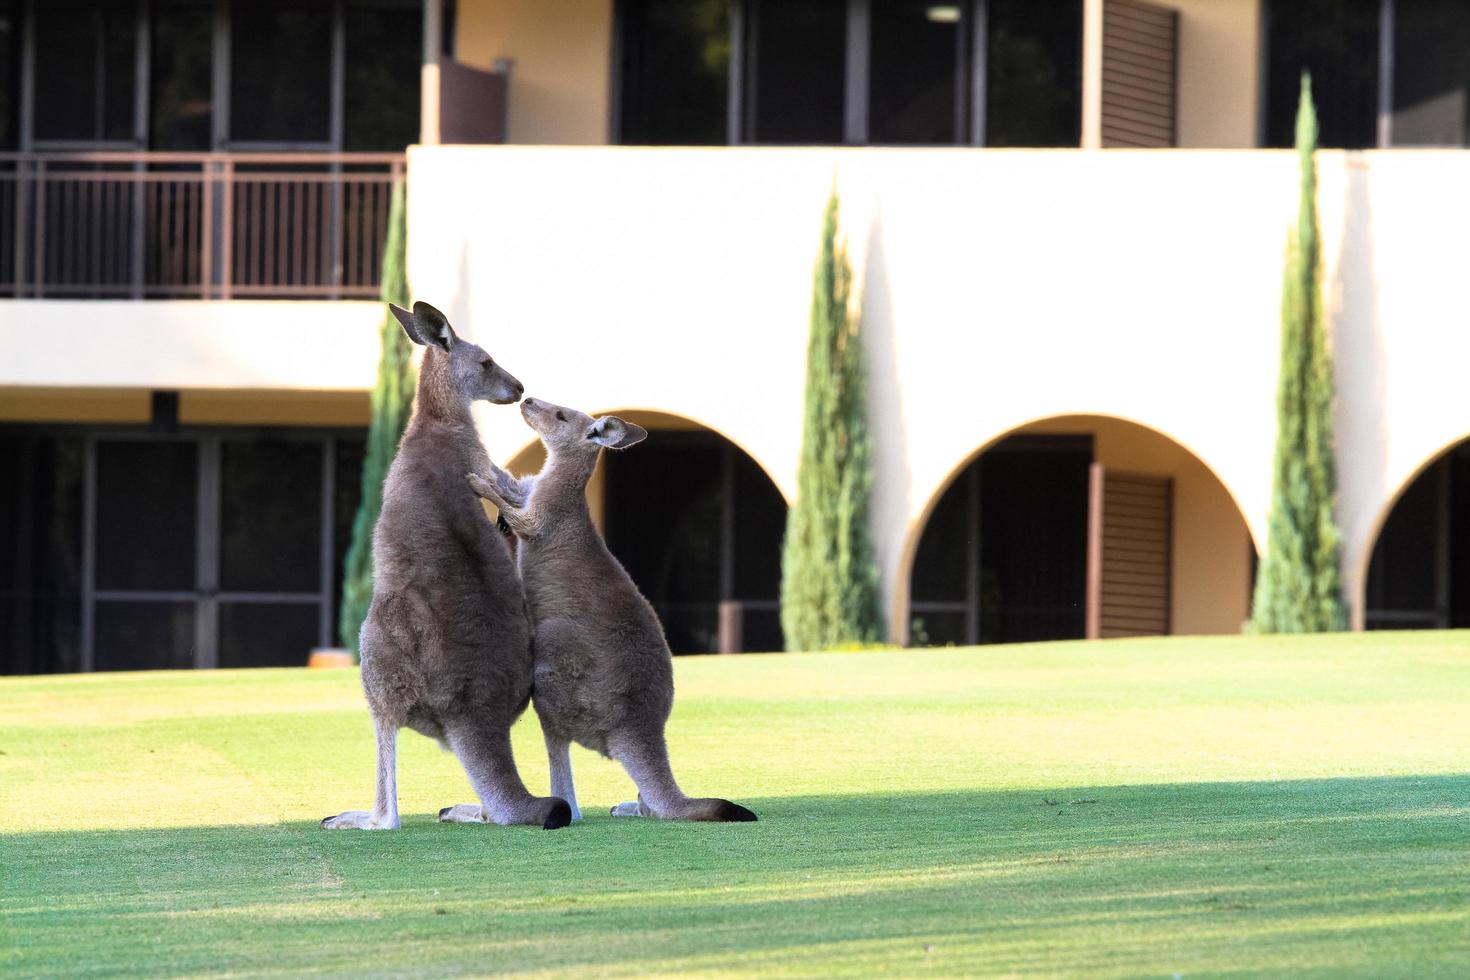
<point>1080,526</point>
<point>698,525</point>
<point>1419,573</point>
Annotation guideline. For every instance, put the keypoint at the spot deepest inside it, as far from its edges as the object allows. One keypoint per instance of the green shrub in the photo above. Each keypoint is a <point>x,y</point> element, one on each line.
<point>392,402</point>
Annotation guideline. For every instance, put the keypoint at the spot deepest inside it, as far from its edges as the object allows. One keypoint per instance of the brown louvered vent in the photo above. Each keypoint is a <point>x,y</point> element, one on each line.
<point>1139,78</point>
<point>1130,525</point>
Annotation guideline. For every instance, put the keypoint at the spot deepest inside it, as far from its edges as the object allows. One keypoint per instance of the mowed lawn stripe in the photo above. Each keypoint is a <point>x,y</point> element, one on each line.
<point>1179,806</point>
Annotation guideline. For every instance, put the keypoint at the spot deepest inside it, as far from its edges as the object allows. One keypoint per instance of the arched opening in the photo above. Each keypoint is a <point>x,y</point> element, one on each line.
<point>1080,526</point>
<point>698,525</point>
<point>1419,573</point>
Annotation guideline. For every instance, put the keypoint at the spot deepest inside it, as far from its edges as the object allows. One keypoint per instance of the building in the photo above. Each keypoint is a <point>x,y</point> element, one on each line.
<point>1072,329</point>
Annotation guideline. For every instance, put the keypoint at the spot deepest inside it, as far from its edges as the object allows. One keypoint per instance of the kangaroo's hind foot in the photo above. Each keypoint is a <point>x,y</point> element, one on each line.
<point>384,815</point>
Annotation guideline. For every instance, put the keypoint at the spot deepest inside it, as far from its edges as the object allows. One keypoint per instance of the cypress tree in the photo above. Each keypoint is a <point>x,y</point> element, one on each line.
<point>1299,587</point>
<point>829,579</point>
<point>392,401</point>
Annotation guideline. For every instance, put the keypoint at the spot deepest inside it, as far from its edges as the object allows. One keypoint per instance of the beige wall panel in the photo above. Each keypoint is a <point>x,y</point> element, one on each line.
<point>562,49</point>
<point>312,408</point>
<point>1219,73</point>
<point>74,405</point>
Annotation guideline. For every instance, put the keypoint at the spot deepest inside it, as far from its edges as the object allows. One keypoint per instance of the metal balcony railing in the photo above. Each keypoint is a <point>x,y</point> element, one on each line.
<point>194,225</point>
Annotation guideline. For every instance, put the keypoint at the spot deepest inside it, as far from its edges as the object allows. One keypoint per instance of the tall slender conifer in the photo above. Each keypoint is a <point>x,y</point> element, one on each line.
<point>1299,584</point>
<point>829,579</point>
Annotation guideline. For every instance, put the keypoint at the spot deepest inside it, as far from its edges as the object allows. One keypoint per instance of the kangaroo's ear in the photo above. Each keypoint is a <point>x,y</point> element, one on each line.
<point>405,320</point>
<point>426,326</point>
<point>614,433</point>
<point>433,326</point>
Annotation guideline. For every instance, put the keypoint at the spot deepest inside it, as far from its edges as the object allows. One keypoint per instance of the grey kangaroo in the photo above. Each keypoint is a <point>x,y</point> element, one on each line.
<point>604,677</point>
<point>446,647</point>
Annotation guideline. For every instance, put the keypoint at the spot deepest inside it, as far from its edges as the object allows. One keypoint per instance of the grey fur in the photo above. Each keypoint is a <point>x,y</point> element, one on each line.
<point>604,676</point>
<point>446,644</point>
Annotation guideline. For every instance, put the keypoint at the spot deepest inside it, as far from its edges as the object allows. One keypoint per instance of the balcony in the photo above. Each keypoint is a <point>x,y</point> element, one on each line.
<point>131,225</point>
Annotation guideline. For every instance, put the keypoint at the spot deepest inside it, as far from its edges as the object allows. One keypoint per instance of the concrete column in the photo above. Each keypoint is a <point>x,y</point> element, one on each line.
<point>1092,59</point>
<point>429,73</point>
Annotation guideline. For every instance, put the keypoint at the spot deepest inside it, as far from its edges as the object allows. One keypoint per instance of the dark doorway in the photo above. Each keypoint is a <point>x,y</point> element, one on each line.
<point>1419,576</point>
<point>1003,558</point>
<point>698,525</point>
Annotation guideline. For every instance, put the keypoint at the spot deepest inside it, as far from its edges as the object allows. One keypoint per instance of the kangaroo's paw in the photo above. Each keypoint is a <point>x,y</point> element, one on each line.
<point>357,820</point>
<point>463,813</point>
<point>484,488</point>
<point>633,808</point>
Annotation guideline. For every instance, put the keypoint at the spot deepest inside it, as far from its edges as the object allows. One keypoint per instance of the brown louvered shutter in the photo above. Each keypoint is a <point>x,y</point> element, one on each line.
<point>1139,76</point>
<point>1130,530</point>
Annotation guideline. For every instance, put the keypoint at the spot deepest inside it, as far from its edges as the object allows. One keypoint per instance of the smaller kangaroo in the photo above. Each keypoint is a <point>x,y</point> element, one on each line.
<point>604,677</point>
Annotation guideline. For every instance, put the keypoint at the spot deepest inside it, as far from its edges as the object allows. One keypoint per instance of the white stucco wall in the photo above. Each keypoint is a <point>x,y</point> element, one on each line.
<point>1002,287</point>
<point>237,345</point>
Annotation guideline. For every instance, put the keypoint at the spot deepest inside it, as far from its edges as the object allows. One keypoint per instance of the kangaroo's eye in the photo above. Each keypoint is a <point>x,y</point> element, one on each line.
<point>561,416</point>
<point>487,363</point>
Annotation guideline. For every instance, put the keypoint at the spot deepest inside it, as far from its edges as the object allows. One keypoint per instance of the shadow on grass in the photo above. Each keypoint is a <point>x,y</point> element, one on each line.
<point>1311,874</point>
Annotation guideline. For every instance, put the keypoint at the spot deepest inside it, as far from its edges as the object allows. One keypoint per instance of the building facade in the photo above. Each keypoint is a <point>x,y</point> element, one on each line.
<point>1067,219</point>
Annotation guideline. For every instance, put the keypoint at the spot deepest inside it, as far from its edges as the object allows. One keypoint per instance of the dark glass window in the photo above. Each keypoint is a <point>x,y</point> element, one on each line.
<point>270,516</point>
<point>798,57</point>
<point>384,48</point>
<point>9,73</point>
<point>146,515</point>
<point>1033,82</point>
<point>181,59</point>
<point>85,67</point>
<point>281,71</point>
<point>148,533</point>
<point>144,635</point>
<point>1337,41</point>
<point>916,61</point>
<point>674,61</point>
<point>675,71</point>
<point>261,634</point>
<point>1431,73</point>
<point>41,545</point>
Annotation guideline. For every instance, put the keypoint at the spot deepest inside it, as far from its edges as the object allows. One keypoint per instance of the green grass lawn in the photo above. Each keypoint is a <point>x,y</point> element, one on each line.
<point>1167,807</point>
